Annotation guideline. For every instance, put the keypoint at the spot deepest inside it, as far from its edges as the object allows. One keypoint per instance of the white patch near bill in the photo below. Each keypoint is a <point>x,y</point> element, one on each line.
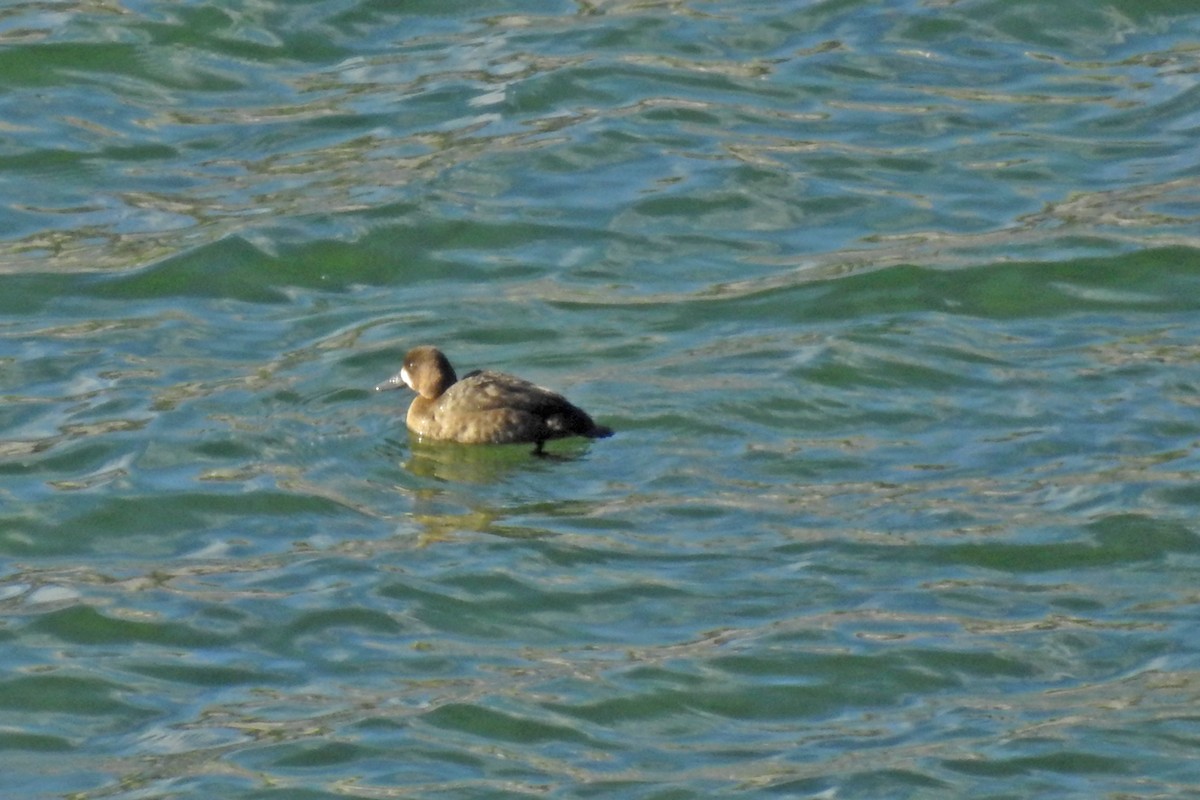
<point>404,376</point>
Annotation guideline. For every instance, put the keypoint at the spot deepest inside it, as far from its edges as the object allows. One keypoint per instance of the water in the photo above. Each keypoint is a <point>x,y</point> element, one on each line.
<point>893,306</point>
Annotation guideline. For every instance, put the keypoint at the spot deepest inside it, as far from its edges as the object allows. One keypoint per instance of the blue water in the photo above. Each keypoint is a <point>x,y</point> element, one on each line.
<point>893,307</point>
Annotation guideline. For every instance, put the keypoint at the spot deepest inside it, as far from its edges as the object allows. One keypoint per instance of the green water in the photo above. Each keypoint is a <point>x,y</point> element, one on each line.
<point>893,307</point>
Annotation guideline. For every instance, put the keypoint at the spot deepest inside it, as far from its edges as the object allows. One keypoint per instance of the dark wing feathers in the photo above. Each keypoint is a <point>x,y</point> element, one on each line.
<point>485,390</point>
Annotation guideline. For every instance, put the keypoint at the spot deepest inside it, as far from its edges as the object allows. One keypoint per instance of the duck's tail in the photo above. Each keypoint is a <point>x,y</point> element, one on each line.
<point>599,432</point>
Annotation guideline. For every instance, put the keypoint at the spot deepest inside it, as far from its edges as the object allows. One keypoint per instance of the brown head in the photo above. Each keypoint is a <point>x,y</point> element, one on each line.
<point>426,371</point>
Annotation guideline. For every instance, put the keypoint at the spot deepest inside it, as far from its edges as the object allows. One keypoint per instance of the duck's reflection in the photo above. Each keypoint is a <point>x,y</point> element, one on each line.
<point>461,463</point>
<point>458,488</point>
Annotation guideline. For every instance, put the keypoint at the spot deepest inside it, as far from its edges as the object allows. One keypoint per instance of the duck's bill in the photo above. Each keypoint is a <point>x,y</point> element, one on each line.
<point>395,382</point>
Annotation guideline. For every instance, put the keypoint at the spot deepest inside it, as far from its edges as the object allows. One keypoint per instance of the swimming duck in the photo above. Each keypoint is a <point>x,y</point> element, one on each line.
<point>484,407</point>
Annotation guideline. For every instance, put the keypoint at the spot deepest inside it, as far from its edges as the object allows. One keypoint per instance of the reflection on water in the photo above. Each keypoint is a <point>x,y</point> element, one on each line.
<point>459,463</point>
<point>445,503</point>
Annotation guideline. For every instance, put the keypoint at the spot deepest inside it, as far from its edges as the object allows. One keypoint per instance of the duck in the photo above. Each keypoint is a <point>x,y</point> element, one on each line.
<point>484,406</point>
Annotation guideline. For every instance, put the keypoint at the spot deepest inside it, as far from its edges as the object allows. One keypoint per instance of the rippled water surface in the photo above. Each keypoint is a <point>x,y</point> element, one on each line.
<point>893,305</point>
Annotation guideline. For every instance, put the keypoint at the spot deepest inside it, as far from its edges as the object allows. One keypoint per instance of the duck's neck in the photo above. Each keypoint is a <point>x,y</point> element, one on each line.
<point>445,377</point>
<point>448,379</point>
<point>419,414</point>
